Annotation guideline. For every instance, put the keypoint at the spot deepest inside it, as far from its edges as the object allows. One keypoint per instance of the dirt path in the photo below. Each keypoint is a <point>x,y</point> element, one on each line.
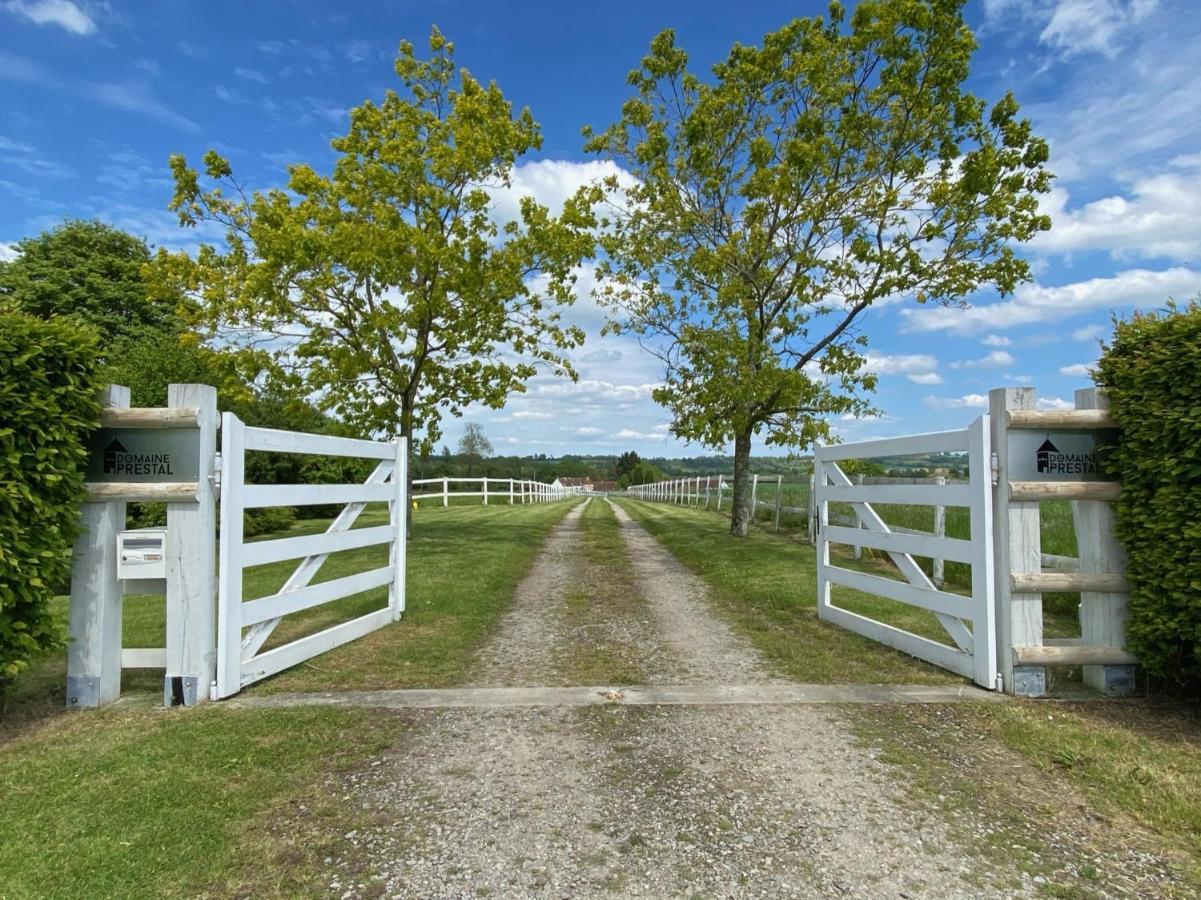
<point>650,801</point>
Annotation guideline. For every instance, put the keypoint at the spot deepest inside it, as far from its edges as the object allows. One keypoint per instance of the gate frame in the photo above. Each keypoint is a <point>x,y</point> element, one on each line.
<point>239,662</point>
<point>976,654</point>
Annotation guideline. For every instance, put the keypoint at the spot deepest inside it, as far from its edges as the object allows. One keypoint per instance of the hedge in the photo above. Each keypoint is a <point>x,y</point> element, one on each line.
<point>48,405</point>
<point>1152,373</point>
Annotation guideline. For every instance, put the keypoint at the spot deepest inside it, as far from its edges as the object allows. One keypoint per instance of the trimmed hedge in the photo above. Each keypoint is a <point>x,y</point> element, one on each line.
<point>1152,373</point>
<point>48,405</point>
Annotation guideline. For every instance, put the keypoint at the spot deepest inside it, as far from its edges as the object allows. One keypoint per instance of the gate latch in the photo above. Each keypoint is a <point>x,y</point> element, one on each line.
<point>215,478</point>
<point>994,465</point>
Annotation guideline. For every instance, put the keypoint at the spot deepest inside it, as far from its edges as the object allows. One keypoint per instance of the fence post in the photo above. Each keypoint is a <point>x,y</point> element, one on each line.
<point>719,481</point>
<point>859,524</point>
<point>1102,615</point>
<point>400,519</point>
<point>754,496</point>
<point>1018,551</point>
<point>510,492</point>
<point>484,481</point>
<point>190,551</point>
<point>779,498</point>
<point>940,530</point>
<point>810,509</point>
<point>445,492</point>
<point>94,621</point>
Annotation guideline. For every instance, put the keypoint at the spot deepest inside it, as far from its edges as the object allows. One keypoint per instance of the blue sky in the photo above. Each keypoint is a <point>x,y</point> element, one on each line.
<point>95,96</point>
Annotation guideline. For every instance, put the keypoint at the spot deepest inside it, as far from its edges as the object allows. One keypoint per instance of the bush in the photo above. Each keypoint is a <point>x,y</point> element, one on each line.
<point>48,404</point>
<point>266,520</point>
<point>1152,372</point>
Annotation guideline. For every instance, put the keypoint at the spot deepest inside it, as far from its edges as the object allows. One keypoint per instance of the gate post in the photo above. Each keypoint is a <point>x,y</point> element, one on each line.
<point>190,551</point>
<point>94,650</point>
<point>1018,546</point>
<point>1102,615</point>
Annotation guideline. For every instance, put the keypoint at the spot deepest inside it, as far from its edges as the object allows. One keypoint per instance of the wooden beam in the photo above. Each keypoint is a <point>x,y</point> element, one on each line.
<point>150,417</point>
<point>1067,419</point>
<point>1023,491</point>
<point>125,492</point>
<point>1075,655</point>
<point>1069,582</point>
<point>144,658</point>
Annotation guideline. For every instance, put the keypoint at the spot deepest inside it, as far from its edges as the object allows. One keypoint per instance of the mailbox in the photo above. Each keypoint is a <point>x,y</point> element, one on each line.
<point>142,553</point>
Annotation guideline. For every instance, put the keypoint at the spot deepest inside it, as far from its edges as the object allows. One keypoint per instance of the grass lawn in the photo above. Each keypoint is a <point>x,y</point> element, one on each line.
<point>766,586</point>
<point>136,800</point>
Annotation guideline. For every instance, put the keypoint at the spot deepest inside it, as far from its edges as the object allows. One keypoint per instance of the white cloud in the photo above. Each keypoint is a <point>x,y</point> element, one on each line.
<point>926,378</point>
<point>1093,26</point>
<point>63,13</point>
<point>967,401</point>
<point>1031,303</point>
<point>1079,370</point>
<point>250,74</point>
<point>532,414</point>
<point>996,340</point>
<point>551,182</point>
<point>1089,332</point>
<point>8,252</point>
<point>1054,403</point>
<point>589,430</point>
<point>1158,219</point>
<point>997,359</point>
<point>31,161</point>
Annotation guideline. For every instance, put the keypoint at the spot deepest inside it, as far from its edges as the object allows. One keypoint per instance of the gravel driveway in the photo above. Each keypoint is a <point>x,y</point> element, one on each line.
<point>649,801</point>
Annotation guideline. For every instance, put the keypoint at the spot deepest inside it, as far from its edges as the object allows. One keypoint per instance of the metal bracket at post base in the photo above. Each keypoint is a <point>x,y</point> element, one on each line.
<point>1030,681</point>
<point>83,692</point>
<point>1117,681</point>
<point>183,690</point>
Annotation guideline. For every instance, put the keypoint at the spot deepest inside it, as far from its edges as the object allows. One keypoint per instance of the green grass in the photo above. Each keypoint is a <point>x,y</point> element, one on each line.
<point>174,803</point>
<point>766,585</point>
<point>463,565</point>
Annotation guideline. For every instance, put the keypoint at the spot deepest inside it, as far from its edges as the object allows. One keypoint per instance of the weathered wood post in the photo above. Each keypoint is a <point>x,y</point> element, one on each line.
<point>1103,615</point>
<point>1018,551</point>
<point>940,529</point>
<point>94,651</point>
<point>779,498</point>
<point>191,548</point>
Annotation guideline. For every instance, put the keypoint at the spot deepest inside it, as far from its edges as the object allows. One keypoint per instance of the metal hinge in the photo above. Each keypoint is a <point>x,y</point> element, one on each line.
<point>995,466</point>
<point>215,478</point>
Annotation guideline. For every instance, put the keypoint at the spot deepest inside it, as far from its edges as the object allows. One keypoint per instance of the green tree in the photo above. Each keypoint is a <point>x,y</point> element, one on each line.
<point>387,287</point>
<point>839,164</point>
<point>90,271</point>
<point>626,462</point>
<point>474,445</point>
<point>641,472</point>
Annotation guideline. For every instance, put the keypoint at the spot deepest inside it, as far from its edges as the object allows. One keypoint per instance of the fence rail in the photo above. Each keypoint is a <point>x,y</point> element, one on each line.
<point>502,490</point>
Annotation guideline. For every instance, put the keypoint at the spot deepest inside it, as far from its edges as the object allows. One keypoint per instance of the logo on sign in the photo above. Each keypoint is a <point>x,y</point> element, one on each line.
<point>119,461</point>
<point>1049,460</point>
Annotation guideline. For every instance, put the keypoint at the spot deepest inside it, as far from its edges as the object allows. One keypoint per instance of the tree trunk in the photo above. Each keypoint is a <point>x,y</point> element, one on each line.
<point>741,515</point>
<point>406,432</point>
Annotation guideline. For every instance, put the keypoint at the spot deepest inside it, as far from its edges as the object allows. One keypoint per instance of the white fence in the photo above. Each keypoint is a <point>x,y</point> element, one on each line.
<point>969,621</point>
<point>243,627</point>
<point>701,490</point>
<point>499,490</point>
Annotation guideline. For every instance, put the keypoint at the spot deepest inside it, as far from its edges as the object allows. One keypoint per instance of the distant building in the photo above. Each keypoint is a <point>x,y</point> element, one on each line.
<point>604,485</point>
<point>580,484</point>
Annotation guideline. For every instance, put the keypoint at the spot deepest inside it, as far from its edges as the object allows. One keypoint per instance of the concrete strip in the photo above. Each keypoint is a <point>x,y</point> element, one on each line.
<point>640,695</point>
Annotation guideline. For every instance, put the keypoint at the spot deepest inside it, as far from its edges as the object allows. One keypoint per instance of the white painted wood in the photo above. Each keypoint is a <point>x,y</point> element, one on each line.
<point>905,494</point>
<point>229,583</point>
<point>933,442</point>
<point>984,613</point>
<point>902,542</point>
<point>278,441</point>
<point>278,605</point>
<point>255,496</point>
<point>935,601</point>
<point>754,496</point>
<point>260,553</point>
<point>146,658</point>
<point>399,518</point>
<point>1017,549</point>
<point>446,492</point>
<point>94,616</point>
<point>280,658</point>
<point>955,660</point>
<point>1104,601</point>
<point>779,498</point>
<point>191,547</point>
<point>859,526</point>
<point>938,567</point>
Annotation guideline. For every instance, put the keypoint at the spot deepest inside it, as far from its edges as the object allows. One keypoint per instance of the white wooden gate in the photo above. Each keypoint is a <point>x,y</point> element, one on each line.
<point>243,627</point>
<point>969,620</point>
